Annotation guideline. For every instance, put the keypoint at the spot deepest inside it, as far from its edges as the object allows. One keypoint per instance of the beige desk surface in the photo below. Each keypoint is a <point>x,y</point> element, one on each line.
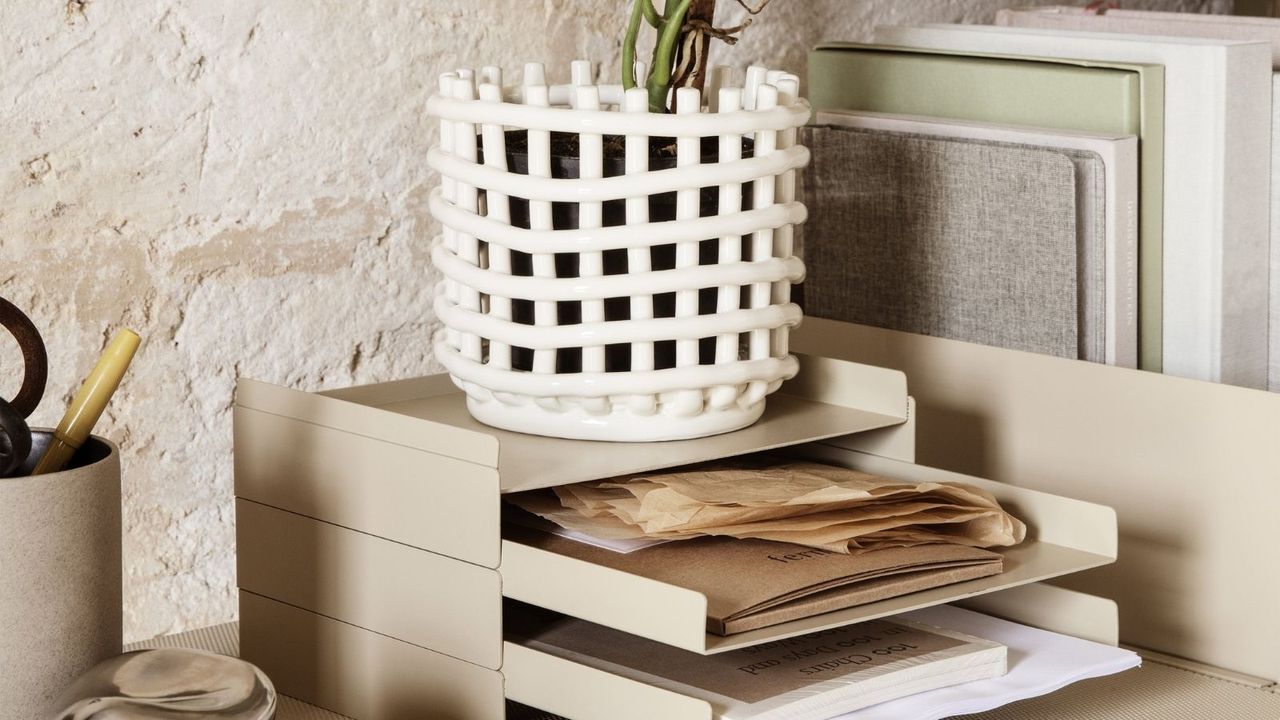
<point>1155,691</point>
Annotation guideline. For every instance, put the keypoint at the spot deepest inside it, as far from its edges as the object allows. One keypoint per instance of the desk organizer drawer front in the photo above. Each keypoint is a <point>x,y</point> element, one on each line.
<point>579,692</point>
<point>361,674</point>
<point>405,494</point>
<point>284,431</point>
<point>429,600</point>
<point>1064,536</point>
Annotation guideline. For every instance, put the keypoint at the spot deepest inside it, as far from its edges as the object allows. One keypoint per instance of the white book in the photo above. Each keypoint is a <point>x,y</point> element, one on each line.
<point>1225,27</point>
<point>1146,22</point>
<point>1119,154</point>
<point>1274,374</point>
<point>1216,181</point>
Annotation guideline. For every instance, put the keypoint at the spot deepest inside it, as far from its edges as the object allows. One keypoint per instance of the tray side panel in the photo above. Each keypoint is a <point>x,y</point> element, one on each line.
<point>418,498</point>
<point>1055,609</point>
<point>389,588</point>
<point>634,604</point>
<point>1025,564</point>
<point>358,673</point>
<point>854,385</point>
<point>897,442</point>
<point>385,393</point>
<point>1192,469</point>
<point>576,691</point>
<point>531,462</point>
<point>350,410</point>
<point>1050,518</point>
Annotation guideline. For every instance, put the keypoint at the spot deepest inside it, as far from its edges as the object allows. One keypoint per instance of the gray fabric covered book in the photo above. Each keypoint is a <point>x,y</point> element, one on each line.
<point>972,240</point>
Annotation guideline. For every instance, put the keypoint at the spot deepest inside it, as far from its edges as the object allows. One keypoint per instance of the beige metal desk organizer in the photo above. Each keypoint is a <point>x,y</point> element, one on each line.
<point>1192,469</point>
<point>570,270</point>
<point>372,566</point>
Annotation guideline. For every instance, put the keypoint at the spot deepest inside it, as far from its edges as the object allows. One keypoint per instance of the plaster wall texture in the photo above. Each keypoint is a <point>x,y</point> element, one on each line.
<point>244,184</point>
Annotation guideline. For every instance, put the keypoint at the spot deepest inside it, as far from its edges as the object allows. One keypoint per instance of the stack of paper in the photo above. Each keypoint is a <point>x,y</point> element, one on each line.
<point>1040,662</point>
<point>804,503</point>
<point>811,677</point>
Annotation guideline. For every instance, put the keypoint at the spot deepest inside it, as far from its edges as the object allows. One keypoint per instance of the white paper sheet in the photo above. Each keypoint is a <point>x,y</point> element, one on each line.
<point>622,547</point>
<point>1039,663</point>
<point>618,546</point>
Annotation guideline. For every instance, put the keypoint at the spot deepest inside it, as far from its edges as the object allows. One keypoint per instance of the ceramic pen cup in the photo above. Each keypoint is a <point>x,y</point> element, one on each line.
<point>60,576</point>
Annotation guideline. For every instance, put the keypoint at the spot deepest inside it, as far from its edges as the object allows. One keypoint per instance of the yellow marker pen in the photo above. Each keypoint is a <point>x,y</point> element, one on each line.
<point>89,402</point>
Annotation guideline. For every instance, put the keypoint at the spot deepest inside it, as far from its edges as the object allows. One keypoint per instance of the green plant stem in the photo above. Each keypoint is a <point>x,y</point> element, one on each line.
<point>650,14</point>
<point>659,83</point>
<point>629,44</point>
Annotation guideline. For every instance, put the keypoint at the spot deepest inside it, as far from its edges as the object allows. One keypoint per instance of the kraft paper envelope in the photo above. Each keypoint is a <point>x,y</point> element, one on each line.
<point>805,503</point>
<point>751,584</point>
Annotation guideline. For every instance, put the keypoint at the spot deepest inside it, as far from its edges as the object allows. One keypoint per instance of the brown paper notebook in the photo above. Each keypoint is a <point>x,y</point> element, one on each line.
<point>752,584</point>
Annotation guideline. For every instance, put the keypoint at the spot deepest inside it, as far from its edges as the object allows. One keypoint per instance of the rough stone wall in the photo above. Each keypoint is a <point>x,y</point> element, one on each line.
<point>243,183</point>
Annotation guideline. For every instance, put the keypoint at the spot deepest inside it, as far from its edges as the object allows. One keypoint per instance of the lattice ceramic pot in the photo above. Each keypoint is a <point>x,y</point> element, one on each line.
<point>612,273</point>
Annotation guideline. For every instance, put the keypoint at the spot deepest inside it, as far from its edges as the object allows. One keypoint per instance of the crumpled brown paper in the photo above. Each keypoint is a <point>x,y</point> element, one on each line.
<point>805,503</point>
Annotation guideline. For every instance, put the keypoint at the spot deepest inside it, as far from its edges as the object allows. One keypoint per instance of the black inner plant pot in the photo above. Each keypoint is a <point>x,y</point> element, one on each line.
<point>662,208</point>
<point>94,450</point>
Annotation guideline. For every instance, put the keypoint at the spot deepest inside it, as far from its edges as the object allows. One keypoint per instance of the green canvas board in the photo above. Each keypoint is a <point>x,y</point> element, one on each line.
<point>1082,95</point>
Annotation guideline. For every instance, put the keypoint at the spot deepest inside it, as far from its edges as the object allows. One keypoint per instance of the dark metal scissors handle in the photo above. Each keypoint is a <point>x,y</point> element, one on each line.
<point>15,436</point>
<point>15,439</point>
<point>34,358</point>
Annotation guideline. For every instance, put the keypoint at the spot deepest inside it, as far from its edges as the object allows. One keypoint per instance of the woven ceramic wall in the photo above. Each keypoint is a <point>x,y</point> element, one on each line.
<point>613,273</point>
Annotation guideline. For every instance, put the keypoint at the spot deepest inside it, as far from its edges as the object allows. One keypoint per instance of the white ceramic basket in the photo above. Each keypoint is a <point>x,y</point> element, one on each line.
<point>567,310</point>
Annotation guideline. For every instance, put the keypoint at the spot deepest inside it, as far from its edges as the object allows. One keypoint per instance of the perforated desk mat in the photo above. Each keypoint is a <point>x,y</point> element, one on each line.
<point>1155,691</point>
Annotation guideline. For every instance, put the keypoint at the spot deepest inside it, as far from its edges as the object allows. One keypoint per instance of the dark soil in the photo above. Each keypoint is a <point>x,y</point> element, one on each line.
<point>566,145</point>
